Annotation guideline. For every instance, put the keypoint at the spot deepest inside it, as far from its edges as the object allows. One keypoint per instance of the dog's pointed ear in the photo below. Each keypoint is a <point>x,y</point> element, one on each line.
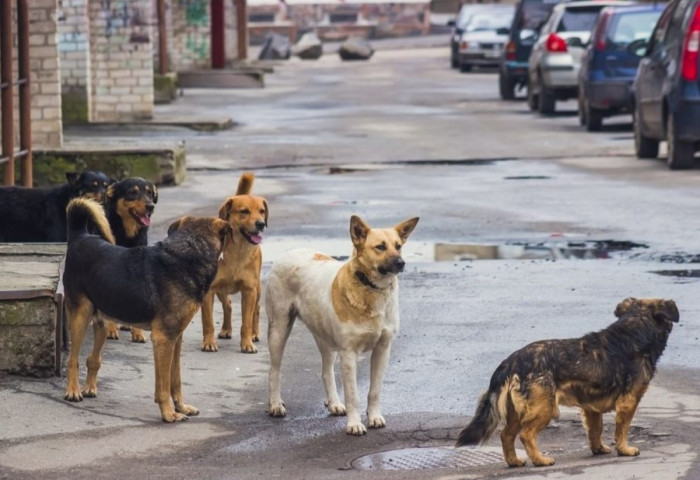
<point>404,229</point>
<point>174,226</point>
<point>267,212</point>
<point>225,209</point>
<point>111,191</point>
<point>112,181</point>
<point>155,193</point>
<point>358,230</point>
<point>625,306</point>
<point>666,311</point>
<point>72,177</point>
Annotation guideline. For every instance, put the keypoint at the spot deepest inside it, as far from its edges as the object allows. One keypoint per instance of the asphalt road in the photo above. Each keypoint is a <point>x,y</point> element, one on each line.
<point>399,136</point>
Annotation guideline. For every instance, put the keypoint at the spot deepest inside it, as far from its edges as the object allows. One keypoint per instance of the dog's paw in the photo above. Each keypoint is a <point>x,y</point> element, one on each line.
<point>602,450</point>
<point>256,337</point>
<point>517,462</point>
<point>73,396</point>
<point>138,336</point>
<point>89,391</point>
<point>171,417</point>
<point>336,409</point>
<point>126,328</point>
<point>210,347</point>
<point>113,334</point>
<point>277,409</point>
<point>355,429</point>
<point>248,348</point>
<point>543,461</point>
<point>627,451</point>
<point>376,421</point>
<point>188,410</point>
<point>226,334</point>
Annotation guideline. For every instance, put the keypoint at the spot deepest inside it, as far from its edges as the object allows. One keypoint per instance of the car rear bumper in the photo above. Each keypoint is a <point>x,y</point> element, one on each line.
<point>610,95</point>
<point>516,71</point>
<point>559,70</point>
<point>479,58</point>
<point>687,119</point>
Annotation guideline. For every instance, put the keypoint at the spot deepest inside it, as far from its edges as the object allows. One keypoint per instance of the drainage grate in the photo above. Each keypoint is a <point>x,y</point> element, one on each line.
<point>428,458</point>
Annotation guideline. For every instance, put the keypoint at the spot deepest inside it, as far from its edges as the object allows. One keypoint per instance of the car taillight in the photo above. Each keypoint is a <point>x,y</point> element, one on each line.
<point>555,43</point>
<point>689,68</point>
<point>510,51</point>
<point>600,34</point>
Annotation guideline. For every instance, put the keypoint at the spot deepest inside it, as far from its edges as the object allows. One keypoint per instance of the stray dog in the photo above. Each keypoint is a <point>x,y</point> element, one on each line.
<point>240,269</point>
<point>129,205</point>
<point>158,288</point>
<point>39,214</point>
<point>599,372</point>
<point>349,308</point>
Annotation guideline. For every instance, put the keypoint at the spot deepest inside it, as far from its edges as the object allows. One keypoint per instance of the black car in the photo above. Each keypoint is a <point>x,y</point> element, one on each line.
<point>666,90</point>
<point>529,17</point>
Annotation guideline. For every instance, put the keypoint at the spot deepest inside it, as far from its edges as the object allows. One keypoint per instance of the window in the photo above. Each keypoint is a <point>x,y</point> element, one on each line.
<point>578,20</point>
<point>628,27</point>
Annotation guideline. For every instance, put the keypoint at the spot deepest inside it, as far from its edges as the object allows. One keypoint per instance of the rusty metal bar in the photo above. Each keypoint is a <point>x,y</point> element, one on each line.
<point>242,28</point>
<point>25,119</point>
<point>6,112</point>
<point>162,38</point>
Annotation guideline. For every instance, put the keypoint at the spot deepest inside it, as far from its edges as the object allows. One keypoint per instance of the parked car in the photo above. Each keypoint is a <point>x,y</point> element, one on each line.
<point>666,90</point>
<point>529,17</point>
<point>608,69</point>
<point>466,12</point>
<point>556,56</point>
<point>484,37</point>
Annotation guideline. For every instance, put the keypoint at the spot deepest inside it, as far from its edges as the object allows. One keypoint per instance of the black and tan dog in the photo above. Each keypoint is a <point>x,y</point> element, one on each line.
<point>129,204</point>
<point>239,271</point>
<point>158,288</point>
<point>599,372</point>
<point>39,214</point>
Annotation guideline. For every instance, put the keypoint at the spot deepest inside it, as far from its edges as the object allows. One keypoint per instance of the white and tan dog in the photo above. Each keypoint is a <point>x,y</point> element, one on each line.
<point>349,308</point>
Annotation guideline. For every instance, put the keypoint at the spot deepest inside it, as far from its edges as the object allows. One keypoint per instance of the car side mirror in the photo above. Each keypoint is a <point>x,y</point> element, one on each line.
<point>451,23</point>
<point>639,47</point>
<point>527,35</point>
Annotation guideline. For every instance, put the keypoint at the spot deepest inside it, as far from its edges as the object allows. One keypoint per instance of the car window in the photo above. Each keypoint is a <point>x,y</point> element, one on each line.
<point>628,27</point>
<point>675,31</point>
<point>578,20</point>
<point>532,14</point>
<point>484,22</point>
<point>659,35</point>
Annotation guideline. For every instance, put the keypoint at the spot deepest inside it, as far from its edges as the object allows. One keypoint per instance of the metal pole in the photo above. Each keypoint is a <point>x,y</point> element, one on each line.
<point>242,28</point>
<point>162,39</point>
<point>25,119</point>
<point>6,114</point>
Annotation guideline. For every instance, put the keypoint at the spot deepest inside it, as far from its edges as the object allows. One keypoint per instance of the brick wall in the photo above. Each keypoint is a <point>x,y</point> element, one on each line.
<point>74,49</point>
<point>47,128</point>
<point>121,60</point>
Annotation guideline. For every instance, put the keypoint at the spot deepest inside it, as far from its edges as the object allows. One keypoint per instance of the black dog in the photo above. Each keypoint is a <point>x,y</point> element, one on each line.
<point>129,204</point>
<point>159,288</point>
<point>39,214</point>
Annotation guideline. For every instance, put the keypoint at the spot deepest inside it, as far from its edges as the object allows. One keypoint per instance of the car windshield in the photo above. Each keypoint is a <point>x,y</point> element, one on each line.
<point>484,22</point>
<point>579,19</point>
<point>628,27</point>
<point>533,13</point>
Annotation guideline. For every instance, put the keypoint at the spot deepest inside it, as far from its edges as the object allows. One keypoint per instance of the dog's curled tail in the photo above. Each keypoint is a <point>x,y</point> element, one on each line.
<point>489,412</point>
<point>245,184</point>
<point>83,214</point>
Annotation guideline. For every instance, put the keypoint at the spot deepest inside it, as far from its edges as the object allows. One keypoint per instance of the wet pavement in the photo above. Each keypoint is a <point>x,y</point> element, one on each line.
<point>572,224</point>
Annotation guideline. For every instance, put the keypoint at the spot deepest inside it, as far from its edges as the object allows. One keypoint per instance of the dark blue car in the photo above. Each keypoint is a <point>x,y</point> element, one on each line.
<point>666,91</point>
<point>609,67</point>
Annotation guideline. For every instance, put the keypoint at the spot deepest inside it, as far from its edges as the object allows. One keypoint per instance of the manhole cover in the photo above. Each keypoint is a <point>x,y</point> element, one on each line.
<point>427,458</point>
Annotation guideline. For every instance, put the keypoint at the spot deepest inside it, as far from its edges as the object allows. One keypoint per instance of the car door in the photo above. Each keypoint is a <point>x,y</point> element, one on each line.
<point>652,73</point>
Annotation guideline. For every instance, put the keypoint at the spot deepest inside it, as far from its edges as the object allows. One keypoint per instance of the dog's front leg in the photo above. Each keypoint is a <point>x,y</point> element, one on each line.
<point>176,383</point>
<point>249,298</point>
<point>209,343</point>
<point>624,411</point>
<point>378,364</point>
<point>348,369</point>
<point>163,352</point>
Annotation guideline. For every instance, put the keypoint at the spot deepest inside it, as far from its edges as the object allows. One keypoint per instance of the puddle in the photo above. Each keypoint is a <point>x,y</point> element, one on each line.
<point>677,257</point>
<point>528,177</point>
<point>678,273</point>
<point>416,251</point>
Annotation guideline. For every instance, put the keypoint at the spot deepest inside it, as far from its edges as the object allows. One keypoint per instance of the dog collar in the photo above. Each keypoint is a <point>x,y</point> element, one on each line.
<point>365,281</point>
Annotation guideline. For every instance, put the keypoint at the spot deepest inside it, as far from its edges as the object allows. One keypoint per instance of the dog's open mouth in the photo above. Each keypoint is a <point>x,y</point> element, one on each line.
<point>143,218</point>
<point>253,238</point>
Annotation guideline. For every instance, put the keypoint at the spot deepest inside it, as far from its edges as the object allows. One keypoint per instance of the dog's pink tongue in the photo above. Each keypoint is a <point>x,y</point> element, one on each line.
<point>146,221</point>
<point>256,238</point>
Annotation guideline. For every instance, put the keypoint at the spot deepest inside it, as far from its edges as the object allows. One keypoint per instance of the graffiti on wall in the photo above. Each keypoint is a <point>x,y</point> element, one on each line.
<point>196,13</point>
<point>125,17</point>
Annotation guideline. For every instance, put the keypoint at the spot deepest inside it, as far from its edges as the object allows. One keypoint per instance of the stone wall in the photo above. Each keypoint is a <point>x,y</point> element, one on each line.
<point>74,51</point>
<point>121,60</point>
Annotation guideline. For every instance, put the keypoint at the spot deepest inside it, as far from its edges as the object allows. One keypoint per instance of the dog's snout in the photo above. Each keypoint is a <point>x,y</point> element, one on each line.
<point>150,207</point>
<point>399,264</point>
<point>260,225</point>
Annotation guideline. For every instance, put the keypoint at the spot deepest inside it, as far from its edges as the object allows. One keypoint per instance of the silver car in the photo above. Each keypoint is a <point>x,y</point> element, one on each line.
<point>556,56</point>
<point>484,37</point>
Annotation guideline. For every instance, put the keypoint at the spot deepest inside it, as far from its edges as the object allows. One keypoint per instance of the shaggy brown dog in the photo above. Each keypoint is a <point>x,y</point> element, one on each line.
<point>599,372</point>
<point>239,271</point>
<point>158,288</point>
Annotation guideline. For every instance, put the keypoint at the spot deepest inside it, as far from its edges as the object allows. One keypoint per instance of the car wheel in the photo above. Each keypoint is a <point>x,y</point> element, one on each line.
<point>680,153</point>
<point>532,99</point>
<point>581,111</point>
<point>594,118</point>
<point>465,67</point>
<point>454,62</point>
<point>644,147</point>
<point>506,87</point>
<point>547,101</point>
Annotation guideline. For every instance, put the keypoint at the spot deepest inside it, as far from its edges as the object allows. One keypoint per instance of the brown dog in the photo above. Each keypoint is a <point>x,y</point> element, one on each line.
<point>599,372</point>
<point>158,288</point>
<point>239,271</point>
